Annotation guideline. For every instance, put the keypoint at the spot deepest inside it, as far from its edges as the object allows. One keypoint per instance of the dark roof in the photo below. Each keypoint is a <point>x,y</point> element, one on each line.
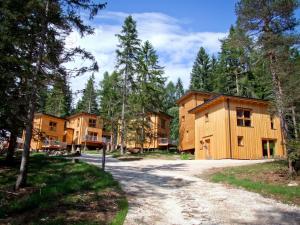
<point>41,113</point>
<point>82,113</point>
<point>163,113</point>
<point>224,96</point>
<point>191,92</point>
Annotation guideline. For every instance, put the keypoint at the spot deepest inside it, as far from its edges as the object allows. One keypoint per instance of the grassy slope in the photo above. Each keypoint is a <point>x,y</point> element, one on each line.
<point>61,192</point>
<point>269,179</point>
<point>156,154</point>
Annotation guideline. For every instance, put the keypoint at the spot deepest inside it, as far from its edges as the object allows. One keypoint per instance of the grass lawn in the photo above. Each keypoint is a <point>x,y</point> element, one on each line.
<point>156,154</point>
<point>61,192</point>
<point>269,179</point>
<point>92,152</point>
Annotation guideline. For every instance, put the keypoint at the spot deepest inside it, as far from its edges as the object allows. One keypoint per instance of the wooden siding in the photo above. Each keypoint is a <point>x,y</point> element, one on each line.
<point>224,135</point>
<point>41,124</point>
<point>80,124</point>
<point>155,131</point>
<point>187,125</point>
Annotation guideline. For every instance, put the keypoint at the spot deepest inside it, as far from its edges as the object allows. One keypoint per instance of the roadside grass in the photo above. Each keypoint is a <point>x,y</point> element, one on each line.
<point>92,152</point>
<point>154,154</point>
<point>269,179</point>
<point>61,192</point>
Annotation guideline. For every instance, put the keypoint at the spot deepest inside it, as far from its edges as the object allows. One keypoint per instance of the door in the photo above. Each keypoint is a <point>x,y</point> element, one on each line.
<point>207,149</point>
<point>268,148</point>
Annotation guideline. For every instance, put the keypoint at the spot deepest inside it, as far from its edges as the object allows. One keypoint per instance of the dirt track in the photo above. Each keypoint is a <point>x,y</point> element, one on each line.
<point>163,192</point>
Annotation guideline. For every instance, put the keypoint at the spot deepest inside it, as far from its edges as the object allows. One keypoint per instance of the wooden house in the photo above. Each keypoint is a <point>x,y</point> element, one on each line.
<point>232,127</point>
<point>49,132</point>
<point>157,133</point>
<point>187,120</point>
<point>87,130</point>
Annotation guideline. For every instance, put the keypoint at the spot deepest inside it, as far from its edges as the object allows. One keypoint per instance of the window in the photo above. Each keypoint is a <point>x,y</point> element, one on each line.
<point>92,123</point>
<point>163,123</point>
<point>206,117</point>
<point>243,117</point>
<point>240,141</point>
<point>272,122</point>
<point>92,136</point>
<point>52,125</point>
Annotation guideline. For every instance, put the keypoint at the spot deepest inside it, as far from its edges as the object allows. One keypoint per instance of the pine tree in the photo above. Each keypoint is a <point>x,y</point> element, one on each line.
<point>201,72</point>
<point>272,23</point>
<point>88,102</point>
<point>179,89</point>
<point>174,126</point>
<point>234,58</point>
<point>59,99</point>
<point>127,61</point>
<point>147,91</point>
<point>169,96</point>
<point>35,32</point>
<point>110,103</point>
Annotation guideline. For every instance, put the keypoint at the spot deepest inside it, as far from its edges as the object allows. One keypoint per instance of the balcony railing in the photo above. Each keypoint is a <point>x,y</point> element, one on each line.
<point>54,144</point>
<point>91,138</point>
<point>166,141</point>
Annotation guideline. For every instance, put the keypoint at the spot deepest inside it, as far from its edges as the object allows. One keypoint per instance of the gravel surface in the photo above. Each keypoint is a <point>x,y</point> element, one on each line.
<point>163,192</point>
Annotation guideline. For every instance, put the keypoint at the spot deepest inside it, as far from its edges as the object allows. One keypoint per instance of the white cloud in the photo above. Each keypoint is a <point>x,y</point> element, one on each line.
<point>177,46</point>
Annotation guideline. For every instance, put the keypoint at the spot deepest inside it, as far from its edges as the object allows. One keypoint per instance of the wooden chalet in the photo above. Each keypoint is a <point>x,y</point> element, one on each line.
<point>216,126</point>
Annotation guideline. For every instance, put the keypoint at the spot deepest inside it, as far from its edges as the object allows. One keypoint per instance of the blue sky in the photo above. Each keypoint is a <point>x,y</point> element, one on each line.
<point>177,29</point>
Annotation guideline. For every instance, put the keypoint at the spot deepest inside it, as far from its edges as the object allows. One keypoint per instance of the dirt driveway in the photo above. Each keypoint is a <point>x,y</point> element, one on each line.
<point>163,192</point>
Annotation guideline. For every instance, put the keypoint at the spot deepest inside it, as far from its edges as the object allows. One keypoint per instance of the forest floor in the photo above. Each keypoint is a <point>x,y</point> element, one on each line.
<point>269,179</point>
<point>171,192</point>
<point>61,191</point>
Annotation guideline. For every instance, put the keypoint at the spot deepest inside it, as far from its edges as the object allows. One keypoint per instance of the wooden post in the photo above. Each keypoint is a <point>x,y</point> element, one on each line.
<point>268,148</point>
<point>103,157</point>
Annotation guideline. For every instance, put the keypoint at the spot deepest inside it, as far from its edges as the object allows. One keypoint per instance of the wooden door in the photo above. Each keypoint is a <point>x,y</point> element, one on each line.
<point>207,149</point>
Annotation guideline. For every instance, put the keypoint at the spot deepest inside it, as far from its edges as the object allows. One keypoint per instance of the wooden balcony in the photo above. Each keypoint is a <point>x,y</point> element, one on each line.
<point>54,144</point>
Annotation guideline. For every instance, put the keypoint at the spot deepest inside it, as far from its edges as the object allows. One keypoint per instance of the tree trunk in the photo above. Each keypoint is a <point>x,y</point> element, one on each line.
<point>237,83</point>
<point>103,157</point>
<point>143,131</point>
<point>277,89</point>
<point>11,148</point>
<point>294,122</point>
<point>123,114</point>
<point>22,178</point>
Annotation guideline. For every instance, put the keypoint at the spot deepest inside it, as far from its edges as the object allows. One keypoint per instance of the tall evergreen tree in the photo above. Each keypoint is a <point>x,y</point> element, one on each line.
<point>127,61</point>
<point>272,23</point>
<point>179,89</point>
<point>234,58</point>
<point>110,94</point>
<point>201,72</point>
<point>88,102</point>
<point>34,32</point>
<point>169,96</point>
<point>147,91</point>
<point>59,99</point>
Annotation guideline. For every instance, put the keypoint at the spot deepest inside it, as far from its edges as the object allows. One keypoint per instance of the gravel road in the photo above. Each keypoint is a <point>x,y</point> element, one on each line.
<point>167,192</point>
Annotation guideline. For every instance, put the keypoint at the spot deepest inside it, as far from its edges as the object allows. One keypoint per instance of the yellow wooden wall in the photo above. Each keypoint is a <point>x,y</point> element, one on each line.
<point>80,124</point>
<point>217,129</point>
<point>187,127</point>
<point>253,136</point>
<point>214,129</point>
<point>155,130</point>
<point>41,123</point>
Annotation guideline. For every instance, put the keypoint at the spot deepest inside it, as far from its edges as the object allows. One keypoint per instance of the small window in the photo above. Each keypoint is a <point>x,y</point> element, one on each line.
<point>206,117</point>
<point>92,123</point>
<point>163,123</point>
<point>243,117</point>
<point>52,125</point>
<point>240,141</point>
<point>272,123</point>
